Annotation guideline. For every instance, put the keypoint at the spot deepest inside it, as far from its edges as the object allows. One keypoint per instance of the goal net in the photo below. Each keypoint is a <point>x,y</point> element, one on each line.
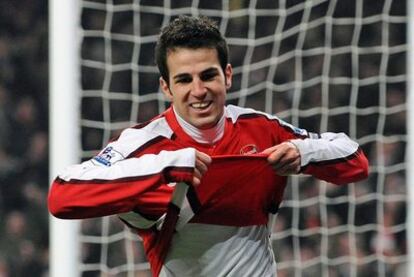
<point>322,65</point>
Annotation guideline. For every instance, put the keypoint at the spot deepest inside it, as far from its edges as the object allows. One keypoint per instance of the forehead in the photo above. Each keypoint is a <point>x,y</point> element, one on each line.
<point>188,59</point>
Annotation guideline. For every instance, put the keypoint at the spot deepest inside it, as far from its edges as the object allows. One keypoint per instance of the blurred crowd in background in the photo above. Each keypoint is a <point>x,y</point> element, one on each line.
<point>377,204</point>
<point>24,176</point>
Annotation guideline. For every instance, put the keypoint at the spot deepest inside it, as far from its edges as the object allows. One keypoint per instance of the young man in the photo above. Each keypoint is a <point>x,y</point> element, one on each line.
<point>235,159</point>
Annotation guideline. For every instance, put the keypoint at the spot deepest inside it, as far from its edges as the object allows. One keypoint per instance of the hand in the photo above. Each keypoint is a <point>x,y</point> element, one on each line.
<point>202,162</point>
<point>284,158</point>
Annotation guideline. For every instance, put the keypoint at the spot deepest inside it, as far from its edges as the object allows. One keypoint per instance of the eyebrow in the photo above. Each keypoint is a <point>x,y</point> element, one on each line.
<point>209,70</point>
<point>181,75</point>
<point>206,71</point>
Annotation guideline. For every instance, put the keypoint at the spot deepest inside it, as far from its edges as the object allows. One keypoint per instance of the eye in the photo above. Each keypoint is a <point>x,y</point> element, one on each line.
<point>208,76</point>
<point>183,79</point>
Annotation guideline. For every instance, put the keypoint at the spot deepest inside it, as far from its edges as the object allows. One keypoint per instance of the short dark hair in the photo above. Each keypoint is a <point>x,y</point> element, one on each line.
<point>189,32</point>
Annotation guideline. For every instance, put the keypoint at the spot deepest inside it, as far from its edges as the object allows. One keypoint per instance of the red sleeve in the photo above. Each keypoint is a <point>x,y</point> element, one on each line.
<point>90,190</point>
<point>340,171</point>
<point>93,199</point>
<point>332,157</point>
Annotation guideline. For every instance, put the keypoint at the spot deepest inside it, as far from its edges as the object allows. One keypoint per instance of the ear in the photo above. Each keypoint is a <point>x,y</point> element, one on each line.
<point>165,89</point>
<point>229,75</point>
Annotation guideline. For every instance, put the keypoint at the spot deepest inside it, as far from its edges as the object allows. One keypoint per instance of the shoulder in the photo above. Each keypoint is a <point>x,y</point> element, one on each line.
<point>237,114</point>
<point>141,136</point>
<point>157,126</point>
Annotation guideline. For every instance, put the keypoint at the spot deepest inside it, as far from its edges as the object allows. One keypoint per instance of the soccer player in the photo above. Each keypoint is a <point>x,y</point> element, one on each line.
<point>235,161</point>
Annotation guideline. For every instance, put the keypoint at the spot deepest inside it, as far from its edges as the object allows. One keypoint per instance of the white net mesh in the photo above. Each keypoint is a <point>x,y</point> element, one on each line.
<point>336,65</point>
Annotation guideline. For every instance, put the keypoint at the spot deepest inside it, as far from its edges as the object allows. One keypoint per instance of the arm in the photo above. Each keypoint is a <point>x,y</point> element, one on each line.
<point>93,189</point>
<point>332,157</point>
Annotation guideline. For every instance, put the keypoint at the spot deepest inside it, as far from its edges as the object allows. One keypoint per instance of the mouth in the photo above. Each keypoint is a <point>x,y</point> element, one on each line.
<point>201,105</point>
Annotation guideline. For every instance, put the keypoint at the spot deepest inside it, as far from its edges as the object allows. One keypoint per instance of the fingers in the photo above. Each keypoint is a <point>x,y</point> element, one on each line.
<point>269,150</point>
<point>284,158</point>
<point>287,168</point>
<point>202,162</point>
<point>196,177</point>
<point>203,157</point>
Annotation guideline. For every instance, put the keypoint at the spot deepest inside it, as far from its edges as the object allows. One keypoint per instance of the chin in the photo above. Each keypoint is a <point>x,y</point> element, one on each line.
<point>204,124</point>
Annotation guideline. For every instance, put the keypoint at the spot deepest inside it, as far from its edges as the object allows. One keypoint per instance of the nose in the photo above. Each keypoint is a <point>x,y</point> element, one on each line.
<point>199,89</point>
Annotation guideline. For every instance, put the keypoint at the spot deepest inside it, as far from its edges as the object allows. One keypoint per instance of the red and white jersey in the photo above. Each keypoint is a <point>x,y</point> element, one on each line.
<point>227,214</point>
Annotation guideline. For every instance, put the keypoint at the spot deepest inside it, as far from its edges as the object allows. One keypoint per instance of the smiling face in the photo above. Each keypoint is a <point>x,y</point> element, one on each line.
<point>197,85</point>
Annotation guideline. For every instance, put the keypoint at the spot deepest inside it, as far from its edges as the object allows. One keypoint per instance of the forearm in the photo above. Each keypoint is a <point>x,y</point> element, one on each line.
<point>90,190</point>
<point>332,157</point>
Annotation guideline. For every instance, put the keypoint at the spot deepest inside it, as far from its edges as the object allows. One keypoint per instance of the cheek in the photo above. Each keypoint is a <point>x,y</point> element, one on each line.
<point>180,101</point>
<point>222,96</point>
<point>181,92</point>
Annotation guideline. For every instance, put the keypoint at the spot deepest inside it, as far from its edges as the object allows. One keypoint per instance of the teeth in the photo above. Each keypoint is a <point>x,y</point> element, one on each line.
<point>200,105</point>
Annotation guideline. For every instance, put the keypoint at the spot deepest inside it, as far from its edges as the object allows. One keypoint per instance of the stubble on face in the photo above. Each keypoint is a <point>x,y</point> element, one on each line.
<point>197,85</point>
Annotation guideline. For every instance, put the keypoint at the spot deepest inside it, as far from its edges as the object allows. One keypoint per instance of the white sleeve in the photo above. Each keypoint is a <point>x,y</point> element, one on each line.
<point>329,146</point>
<point>132,167</point>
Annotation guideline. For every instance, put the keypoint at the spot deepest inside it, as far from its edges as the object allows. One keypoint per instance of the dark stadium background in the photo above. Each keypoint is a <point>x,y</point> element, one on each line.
<point>24,176</point>
<point>23,138</point>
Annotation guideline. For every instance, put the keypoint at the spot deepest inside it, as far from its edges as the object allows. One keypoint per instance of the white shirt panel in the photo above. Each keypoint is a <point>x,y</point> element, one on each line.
<point>206,250</point>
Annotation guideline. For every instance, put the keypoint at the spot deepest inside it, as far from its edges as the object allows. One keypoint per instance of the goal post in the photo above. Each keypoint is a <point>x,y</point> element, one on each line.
<point>410,137</point>
<point>322,65</point>
<point>64,130</point>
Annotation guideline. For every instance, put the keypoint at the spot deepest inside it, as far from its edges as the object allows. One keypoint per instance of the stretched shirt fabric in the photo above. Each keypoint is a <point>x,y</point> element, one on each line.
<point>200,231</point>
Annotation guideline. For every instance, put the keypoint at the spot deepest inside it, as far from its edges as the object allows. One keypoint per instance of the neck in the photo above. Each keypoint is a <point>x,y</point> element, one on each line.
<point>205,136</point>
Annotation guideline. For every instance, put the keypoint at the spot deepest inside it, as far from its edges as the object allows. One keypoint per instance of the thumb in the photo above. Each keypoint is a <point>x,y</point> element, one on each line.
<point>269,150</point>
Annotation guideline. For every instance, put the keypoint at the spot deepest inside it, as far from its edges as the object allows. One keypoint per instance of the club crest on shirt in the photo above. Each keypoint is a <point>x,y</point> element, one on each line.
<point>108,156</point>
<point>248,149</point>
